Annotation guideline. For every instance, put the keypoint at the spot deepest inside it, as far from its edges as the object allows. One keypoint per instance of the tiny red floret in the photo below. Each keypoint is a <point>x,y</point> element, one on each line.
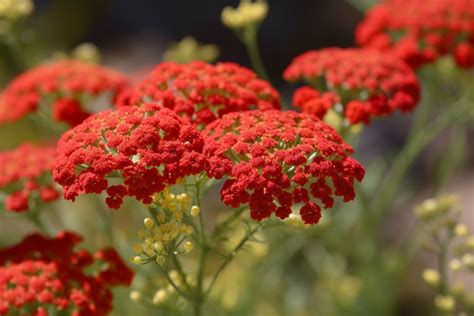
<point>25,175</point>
<point>357,83</point>
<point>133,151</point>
<point>420,31</point>
<point>275,160</point>
<point>200,92</point>
<point>63,88</point>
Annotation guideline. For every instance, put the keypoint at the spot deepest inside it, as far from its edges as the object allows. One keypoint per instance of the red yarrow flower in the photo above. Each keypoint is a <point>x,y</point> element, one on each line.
<point>200,92</point>
<point>274,160</point>
<point>133,151</point>
<point>40,274</point>
<point>25,176</point>
<point>357,83</point>
<point>63,88</point>
<point>421,31</point>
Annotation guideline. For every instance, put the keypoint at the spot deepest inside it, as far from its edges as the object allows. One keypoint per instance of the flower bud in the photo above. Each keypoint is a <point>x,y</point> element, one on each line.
<point>460,230</point>
<point>160,297</point>
<point>135,296</point>
<point>445,303</point>
<point>149,223</point>
<point>137,260</point>
<point>188,246</point>
<point>195,210</point>
<point>431,277</point>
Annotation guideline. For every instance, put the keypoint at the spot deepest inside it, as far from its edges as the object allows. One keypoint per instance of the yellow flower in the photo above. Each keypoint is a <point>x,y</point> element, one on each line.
<point>445,303</point>
<point>195,210</point>
<point>431,277</point>
<point>247,13</point>
<point>188,246</point>
<point>135,296</point>
<point>460,230</point>
<point>188,50</point>
<point>14,9</point>
<point>160,297</point>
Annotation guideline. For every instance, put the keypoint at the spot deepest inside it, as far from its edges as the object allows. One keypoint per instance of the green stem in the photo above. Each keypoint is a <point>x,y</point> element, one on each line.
<point>34,217</point>
<point>198,298</point>
<point>409,153</point>
<point>232,254</point>
<point>250,40</point>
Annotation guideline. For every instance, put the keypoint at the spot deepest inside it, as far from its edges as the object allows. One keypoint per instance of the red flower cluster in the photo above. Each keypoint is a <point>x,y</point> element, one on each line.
<point>201,92</point>
<point>419,31</point>
<point>274,160</point>
<point>41,273</point>
<point>25,175</point>
<point>63,86</point>
<point>140,149</point>
<point>365,83</point>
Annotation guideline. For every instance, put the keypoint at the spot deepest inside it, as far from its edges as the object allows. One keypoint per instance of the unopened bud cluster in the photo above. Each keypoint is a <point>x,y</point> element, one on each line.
<point>450,239</point>
<point>166,233</point>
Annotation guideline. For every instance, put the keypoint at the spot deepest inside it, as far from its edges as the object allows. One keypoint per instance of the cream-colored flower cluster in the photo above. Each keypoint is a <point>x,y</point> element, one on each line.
<point>166,233</point>
<point>247,13</point>
<point>188,50</point>
<point>454,245</point>
<point>15,9</point>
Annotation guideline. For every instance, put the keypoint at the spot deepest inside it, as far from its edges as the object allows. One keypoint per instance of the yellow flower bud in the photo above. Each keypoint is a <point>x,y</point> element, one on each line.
<point>160,260</point>
<point>445,303</point>
<point>149,223</point>
<point>455,265</point>
<point>195,210</point>
<point>431,277</point>
<point>468,260</point>
<point>188,246</point>
<point>138,248</point>
<point>460,230</point>
<point>158,246</point>
<point>470,243</point>
<point>160,297</point>
<point>135,296</point>
<point>137,260</point>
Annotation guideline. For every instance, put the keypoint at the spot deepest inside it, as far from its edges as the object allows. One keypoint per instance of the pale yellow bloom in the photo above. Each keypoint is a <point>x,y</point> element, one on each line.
<point>431,277</point>
<point>247,13</point>
<point>445,303</point>
<point>14,9</point>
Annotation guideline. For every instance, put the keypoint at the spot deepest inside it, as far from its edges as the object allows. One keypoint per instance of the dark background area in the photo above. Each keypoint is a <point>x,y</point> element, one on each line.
<point>291,28</point>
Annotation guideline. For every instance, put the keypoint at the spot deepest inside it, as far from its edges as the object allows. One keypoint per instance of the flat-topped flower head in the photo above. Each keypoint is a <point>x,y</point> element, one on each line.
<point>63,90</point>
<point>275,161</point>
<point>201,92</point>
<point>133,151</point>
<point>359,84</point>
<point>25,176</point>
<point>43,274</point>
<point>420,31</point>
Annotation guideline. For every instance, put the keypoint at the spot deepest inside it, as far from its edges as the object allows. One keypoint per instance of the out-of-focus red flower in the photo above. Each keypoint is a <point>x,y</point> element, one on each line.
<point>420,31</point>
<point>25,174</point>
<point>274,160</point>
<point>364,83</point>
<point>200,92</point>
<point>143,149</point>
<point>63,87</point>
<point>41,273</point>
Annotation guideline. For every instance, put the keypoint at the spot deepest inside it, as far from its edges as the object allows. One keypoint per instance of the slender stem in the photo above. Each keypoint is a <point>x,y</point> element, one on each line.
<point>250,40</point>
<point>442,267</point>
<point>406,157</point>
<point>232,254</point>
<point>174,285</point>
<point>181,273</point>
<point>198,299</point>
